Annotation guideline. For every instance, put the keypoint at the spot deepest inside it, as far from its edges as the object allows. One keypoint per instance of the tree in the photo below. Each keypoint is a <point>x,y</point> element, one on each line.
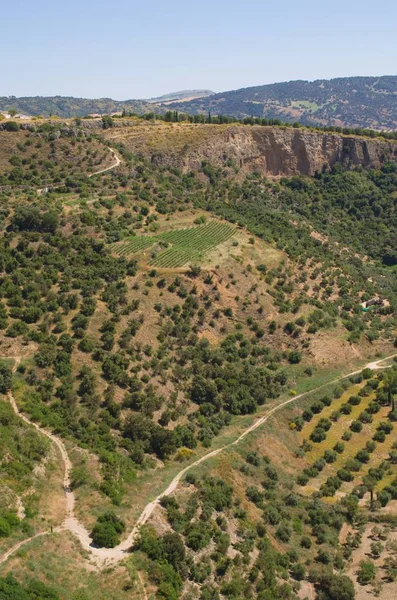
<point>341,588</point>
<point>366,573</point>
<point>107,122</point>
<point>390,566</point>
<point>107,529</point>
<point>104,535</point>
<point>370,483</point>
<point>298,571</point>
<point>5,378</point>
<point>11,589</point>
<point>334,587</point>
<point>390,385</point>
<point>376,549</point>
<point>174,550</point>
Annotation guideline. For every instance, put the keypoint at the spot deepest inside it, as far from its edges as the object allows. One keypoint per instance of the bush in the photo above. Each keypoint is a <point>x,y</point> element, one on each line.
<point>365,417</point>
<point>298,571</point>
<point>354,400</point>
<point>363,456</point>
<point>5,378</point>
<point>106,531</point>
<point>366,573</point>
<point>306,542</point>
<point>294,357</point>
<point>379,436</point>
<point>339,447</point>
<point>318,435</point>
<point>11,126</point>
<point>345,475</point>
<point>330,456</point>
<point>356,426</point>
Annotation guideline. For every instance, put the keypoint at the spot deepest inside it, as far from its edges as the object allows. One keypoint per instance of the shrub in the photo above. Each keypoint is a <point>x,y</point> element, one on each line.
<point>363,456</point>
<point>106,530</point>
<point>307,415</point>
<point>306,542</point>
<point>318,435</point>
<point>365,417</point>
<point>354,400</point>
<point>353,464</point>
<point>383,497</point>
<point>11,126</point>
<point>298,571</point>
<point>345,475</point>
<point>330,456</point>
<point>379,436</point>
<point>339,447</point>
<point>294,357</point>
<point>366,573</point>
<point>356,426</point>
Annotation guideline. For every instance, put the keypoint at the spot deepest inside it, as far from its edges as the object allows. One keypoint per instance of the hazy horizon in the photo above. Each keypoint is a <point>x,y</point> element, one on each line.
<point>168,92</point>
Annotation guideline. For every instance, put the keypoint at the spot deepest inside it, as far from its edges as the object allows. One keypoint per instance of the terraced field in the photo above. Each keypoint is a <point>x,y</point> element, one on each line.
<point>186,245</point>
<point>348,444</point>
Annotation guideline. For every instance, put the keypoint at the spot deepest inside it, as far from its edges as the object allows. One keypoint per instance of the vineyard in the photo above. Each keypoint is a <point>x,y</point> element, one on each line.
<point>350,444</point>
<point>186,245</point>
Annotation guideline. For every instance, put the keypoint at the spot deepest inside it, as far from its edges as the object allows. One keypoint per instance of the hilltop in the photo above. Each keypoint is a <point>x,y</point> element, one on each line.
<point>365,102</point>
<point>183,96</point>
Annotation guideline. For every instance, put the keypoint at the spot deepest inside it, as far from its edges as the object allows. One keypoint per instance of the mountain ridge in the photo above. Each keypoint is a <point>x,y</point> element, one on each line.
<point>365,102</point>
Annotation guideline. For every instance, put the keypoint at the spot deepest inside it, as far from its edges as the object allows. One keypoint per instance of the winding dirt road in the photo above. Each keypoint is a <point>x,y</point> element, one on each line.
<point>113,166</point>
<point>104,557</point>
<point>117,162</point>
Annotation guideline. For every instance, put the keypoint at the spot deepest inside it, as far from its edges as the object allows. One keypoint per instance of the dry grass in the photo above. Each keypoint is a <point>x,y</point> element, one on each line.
<point>356,443</point>
<point>158,136</point>
<point>58,561</point>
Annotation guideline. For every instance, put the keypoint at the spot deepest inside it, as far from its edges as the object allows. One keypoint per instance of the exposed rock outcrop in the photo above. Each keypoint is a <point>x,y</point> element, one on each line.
<point>278,151</point>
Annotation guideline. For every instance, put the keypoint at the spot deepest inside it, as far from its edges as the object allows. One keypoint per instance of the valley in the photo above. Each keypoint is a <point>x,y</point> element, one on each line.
<point>202,409</point>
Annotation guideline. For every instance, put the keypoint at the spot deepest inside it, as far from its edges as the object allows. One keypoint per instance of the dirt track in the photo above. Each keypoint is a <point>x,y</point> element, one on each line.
<point>107,556</point>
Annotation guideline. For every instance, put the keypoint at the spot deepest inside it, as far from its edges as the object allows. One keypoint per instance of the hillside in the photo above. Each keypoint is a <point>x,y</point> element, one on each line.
<point>195,400</point>
<point>365,102</point>
<point>67,106</point>
<point>349,101</point>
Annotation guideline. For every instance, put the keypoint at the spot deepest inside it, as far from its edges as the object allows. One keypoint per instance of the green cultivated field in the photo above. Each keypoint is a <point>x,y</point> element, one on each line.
<point>187,245</point>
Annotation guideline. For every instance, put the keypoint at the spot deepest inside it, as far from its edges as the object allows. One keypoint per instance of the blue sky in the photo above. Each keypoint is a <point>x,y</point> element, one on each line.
<point>128,49</point>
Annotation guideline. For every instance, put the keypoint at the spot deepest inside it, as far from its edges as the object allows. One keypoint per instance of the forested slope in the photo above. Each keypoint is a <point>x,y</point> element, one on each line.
<point>142,363</point>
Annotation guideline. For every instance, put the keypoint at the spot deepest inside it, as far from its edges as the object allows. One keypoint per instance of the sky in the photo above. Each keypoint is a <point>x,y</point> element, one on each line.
<point>127,49</point>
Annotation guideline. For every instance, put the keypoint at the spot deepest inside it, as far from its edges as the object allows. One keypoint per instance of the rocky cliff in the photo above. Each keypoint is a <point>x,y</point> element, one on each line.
<point>277,151</point>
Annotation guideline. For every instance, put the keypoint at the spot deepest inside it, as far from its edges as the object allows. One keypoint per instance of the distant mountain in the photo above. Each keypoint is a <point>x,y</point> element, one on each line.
<point>67,106</point>
<point>349,101</point>
<point>369,102</point>
<point>182,96</point>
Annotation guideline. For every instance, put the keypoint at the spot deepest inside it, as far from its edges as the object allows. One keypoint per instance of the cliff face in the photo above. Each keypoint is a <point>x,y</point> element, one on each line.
<point>278,151</point>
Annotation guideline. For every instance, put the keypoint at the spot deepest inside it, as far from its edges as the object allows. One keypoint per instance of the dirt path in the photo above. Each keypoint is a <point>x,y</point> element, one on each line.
<point>117,162</point>
<point>107,556</point>
<point>113,166</point>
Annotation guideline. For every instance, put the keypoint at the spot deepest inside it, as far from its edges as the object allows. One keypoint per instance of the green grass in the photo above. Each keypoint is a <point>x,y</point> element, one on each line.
<point>187,245</point>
